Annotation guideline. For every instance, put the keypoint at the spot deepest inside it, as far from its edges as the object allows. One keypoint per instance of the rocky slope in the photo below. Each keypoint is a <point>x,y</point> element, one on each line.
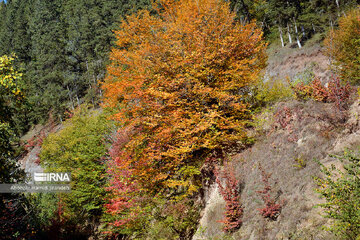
<point>294,134</point>
<point>290,137</point>
<point>288,62</point>
<point>33,140</point>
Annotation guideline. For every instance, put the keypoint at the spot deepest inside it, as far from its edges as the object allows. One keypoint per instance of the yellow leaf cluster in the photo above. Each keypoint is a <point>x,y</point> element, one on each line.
<point>9,76</point>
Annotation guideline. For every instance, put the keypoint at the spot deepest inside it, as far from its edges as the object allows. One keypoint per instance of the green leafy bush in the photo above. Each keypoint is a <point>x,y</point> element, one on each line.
<point>271,91</point>
<point>173,220</point>
<point>80,148</point>
<point>341,190</point>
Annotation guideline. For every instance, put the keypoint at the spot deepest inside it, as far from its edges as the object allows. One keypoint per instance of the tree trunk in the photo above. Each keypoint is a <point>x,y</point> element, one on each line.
<point>289,35</point>
<point>331,25</point>
<point>297,34</point>
<point>78,100</point>
<point>338,6</point>
<point>298,42</point>
<point>281,37</point>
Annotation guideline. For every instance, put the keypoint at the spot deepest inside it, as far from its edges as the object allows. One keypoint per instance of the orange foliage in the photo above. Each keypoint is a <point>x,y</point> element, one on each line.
<point>314,90</point>
<point>343,44</point>
<point>180,76</point>
<point>336,91</point>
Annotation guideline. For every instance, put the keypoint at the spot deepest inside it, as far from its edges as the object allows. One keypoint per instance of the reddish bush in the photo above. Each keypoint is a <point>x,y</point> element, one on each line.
<point>35,141</point>
<point>336,92</point>
<point>314,90</point>
<point>68,114</point>
<point>123,188</point>
<point>231,195</point>
<point>339,93</point>
<point>271,209</point>
<point>119,140</point>
<point>283,116</point>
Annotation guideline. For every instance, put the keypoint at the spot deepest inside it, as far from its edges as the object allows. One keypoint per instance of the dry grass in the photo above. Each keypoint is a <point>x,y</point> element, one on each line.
<point>317,128</point>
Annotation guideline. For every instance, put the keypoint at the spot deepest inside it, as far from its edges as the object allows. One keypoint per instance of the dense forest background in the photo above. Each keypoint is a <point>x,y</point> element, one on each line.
<point>63,48</point>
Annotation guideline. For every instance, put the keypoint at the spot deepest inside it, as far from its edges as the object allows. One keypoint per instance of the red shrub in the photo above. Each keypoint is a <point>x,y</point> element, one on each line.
<point>314,90</point>
<point>271,209</point>
<point>120,139</point>
<point>283,116</point>
<point>35,141</point>
<point>231,195</point>
<point>336,92</point>
<point>68,114</point>
<point>339,93</point>
<point>123,188</point>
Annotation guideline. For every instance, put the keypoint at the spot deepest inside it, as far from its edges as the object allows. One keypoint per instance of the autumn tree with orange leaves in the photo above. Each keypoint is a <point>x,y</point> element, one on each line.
<point>343,46</point>
<point>179,79</point>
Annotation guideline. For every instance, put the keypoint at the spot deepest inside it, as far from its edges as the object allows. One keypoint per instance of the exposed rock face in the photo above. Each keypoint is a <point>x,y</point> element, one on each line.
<point>286,148</point>
<point>30,161</point>
<point>212,214</point>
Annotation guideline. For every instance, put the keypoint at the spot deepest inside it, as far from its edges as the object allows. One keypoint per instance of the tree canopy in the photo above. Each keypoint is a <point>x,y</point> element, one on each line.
<point>178,80</point>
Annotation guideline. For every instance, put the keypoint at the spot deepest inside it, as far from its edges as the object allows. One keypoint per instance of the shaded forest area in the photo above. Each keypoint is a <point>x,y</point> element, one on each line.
<point>63,48</point>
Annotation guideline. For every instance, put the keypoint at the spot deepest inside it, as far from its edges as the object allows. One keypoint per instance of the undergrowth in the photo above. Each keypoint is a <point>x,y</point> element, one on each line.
<point>231,194</point>
<point>271,209</point>
<point>340,187</point>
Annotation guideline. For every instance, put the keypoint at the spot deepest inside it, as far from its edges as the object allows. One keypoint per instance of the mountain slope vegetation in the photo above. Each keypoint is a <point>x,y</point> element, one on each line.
<point>172,124</point>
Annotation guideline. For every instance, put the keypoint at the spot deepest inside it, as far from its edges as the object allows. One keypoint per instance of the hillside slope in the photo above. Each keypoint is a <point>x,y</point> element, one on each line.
<point>289,62</point>
<point>309,130</point>
<point>290,136</point>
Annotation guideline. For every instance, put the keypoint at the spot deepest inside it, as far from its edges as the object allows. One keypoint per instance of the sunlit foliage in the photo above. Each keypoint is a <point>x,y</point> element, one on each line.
<point>180,78</point>
<point>343,45</point>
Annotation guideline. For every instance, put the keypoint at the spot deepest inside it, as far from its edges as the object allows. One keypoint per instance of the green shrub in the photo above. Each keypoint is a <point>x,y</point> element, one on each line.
<point>271,91</point>
<point>80,148</point>
<point>341,190</point>
<point>173,220</point>
<point>45,205</point>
